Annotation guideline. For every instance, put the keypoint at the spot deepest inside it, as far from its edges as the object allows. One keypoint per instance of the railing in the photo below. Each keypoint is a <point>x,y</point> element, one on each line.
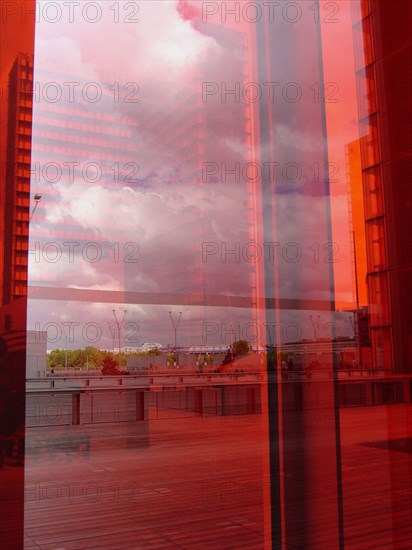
<point>190,377</point>
<point>141,380</point>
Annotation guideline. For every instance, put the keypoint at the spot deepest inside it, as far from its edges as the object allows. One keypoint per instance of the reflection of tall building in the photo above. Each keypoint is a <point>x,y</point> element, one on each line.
<point>17,182</point>
<point>358,252</point>
<point>18,35</point>
<point>383,52</point>
<point>357,220</point>
<point>168,134</point>
<point>228,128</point>
<point>141,136</point>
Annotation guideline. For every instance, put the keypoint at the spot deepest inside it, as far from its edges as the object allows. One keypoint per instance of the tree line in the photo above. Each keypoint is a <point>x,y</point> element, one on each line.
<point>89,358</point>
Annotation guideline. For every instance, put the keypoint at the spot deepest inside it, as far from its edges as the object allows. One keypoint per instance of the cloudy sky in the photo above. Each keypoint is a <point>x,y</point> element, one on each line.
<point>145,182</point>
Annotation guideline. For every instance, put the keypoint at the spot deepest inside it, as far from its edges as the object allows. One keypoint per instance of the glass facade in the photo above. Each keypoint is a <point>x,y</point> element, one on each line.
<point>206,312</point>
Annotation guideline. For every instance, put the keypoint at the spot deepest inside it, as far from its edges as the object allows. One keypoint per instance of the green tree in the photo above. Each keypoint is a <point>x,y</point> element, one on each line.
<point>171,359</point>
<point>241,347</point>
<point>94,357</point>
<point>77,359</point>
<point>154,352</point>
<point>56,359</point>
<point>109,366</point>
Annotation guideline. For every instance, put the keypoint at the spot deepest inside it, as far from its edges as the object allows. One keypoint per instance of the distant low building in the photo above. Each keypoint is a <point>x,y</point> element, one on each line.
<point>36,353</point>
<point>150,346</point>
<point>127,350</point>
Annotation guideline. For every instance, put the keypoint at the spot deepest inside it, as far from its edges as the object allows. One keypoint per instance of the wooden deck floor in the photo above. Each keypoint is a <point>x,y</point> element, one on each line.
<point>198,485</point>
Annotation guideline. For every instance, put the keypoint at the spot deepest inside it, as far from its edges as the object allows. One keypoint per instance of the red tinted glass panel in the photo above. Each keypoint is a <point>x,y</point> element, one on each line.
<point>205,275</point>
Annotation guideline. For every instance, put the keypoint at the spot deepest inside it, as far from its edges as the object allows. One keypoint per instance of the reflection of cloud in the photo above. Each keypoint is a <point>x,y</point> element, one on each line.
<point>161,41</point>
<point>169,212</point>
<point>57,47</point>
<point>293,138</point>
<point>159,231</point>
<point>92,324</point>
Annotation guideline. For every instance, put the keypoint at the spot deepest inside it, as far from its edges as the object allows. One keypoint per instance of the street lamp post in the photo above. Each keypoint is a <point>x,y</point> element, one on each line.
<point>119,326</point>
<point>175,326</point>
<point>315,327</point>
<point>37,198</point>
